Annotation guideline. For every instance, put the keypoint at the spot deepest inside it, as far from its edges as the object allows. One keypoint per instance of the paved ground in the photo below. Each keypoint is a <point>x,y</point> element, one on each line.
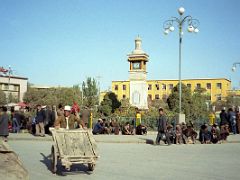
<point>132,161</point>
<point>149,138</point>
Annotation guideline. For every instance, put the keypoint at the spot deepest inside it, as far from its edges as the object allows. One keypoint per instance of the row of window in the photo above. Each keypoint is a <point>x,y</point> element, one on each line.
<point>164,97</point>
<point>170,86</point>
<point>12,87</point>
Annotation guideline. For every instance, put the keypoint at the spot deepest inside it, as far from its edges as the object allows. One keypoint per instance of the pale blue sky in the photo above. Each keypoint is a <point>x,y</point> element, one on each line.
<point>61,42</point>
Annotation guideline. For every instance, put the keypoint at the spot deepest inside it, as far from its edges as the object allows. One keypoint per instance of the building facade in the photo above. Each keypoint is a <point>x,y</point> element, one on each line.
<point>138,90</point>
<point>216,88</point>
<point>14,85</point>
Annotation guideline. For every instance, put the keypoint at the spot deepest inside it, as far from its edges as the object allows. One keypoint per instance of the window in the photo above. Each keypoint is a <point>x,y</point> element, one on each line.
<point>164,97</point>
<point>209,86</point>
<point>164,86</point>
<point>219,97</point>
<point>116,87</point>
<point>170,86</point>
<point>189,86</point>
<point>150,96</point>
<point>149,87</point>
<point>6,86</point>
<point>198,86</point>
<point>124,87</point>
<point>124,96</point>
<point>15,88</point>
<point>157,96</point>
<point>157,86</point>
<point>219,85</point>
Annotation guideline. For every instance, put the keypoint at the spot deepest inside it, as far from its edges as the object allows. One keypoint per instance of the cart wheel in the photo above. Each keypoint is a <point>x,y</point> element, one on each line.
<point>91,166</point>
<point>54,160</point>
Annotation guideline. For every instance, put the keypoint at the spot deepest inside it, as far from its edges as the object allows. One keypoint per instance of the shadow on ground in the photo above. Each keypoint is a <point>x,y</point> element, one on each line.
<point>61,171</point>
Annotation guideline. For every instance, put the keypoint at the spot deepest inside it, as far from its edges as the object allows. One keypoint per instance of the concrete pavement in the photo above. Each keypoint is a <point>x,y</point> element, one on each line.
<point>144,139</point>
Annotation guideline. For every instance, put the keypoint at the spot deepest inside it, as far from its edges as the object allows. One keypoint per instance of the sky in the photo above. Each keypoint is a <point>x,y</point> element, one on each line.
<point>62,42</point>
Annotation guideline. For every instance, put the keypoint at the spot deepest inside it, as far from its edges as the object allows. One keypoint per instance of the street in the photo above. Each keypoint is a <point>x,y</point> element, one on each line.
<point>138,161</point>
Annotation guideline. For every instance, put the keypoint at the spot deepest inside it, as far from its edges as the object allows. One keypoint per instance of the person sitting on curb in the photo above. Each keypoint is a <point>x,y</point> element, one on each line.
<point>99,128</point>
<point>205,135</point>
<point>179,139</point>
<point>190,134</point>
<point>141,130</point>
<point>215,133</point>
<point>224,132</point>
<point>126,129</point>
<point>68,120</point>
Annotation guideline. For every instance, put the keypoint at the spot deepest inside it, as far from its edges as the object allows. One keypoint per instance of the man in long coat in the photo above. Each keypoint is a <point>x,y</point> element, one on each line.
<point>4,119</point>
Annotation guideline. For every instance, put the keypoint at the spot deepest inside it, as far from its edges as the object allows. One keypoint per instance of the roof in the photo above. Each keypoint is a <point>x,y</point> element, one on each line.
<point>14,77</point>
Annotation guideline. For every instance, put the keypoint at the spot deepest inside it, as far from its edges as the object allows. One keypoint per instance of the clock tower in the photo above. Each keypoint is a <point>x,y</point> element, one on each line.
<point>138,75</point>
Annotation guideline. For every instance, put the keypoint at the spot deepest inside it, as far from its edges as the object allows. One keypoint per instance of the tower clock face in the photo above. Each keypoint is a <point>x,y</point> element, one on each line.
<point>136,65</point>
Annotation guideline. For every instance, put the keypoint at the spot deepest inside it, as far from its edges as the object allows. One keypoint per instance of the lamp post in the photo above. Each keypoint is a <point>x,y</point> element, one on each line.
<point>8,90</point>
<point>235,66</point>
<point>168,26</point>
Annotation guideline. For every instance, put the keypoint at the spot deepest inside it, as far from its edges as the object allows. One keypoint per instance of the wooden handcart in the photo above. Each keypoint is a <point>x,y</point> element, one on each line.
<point>73,147</point>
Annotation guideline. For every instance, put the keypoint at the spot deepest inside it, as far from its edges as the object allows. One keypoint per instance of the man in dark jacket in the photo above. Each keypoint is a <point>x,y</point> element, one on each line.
<point>224,117</point>
<point>4,119</point>
<point>40,116</point>
<point>162,128</point>
<point>232,120</point>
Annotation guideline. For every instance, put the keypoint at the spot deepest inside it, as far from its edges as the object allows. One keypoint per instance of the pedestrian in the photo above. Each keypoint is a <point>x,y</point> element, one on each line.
<point>17,119</point>
<point>232,120</point>
<point>4,119</point>
<point>162,128</point>
<point>238,120</point>
<point>223,117</point>
<point>68,120</point>
<point>40,116</point>
<point>60,111</point>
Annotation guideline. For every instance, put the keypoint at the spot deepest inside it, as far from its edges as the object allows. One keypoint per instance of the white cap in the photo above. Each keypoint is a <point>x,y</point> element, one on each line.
<point>67,108</point>
<point>43,107</point>
<point>16,108</point>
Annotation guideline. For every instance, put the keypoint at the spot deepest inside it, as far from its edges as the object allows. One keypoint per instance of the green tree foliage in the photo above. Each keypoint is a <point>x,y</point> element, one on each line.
<point>3,99</point>
<point>53,96</point>
<point>109,104</point>
<point>193,105</point>
<point>90,92</point>
<point>12,99</point>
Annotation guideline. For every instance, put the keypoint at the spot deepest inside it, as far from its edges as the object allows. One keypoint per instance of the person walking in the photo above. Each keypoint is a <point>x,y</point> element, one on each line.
<point>4,119</point>
<point>232,120</point>
<point>162,128</point>
<point>223,117</point>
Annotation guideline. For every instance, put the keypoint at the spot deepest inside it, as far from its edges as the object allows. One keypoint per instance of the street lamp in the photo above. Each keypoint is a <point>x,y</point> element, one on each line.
<point>235,66</point>
<point>168,27</point>
<point>8,90</point>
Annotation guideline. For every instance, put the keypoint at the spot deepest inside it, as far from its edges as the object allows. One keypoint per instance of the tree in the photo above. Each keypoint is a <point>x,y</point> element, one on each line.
<point>3,99</point>
<point>90,93</point>
<point>12,99</point>
<point>109,104</point>
<point>193,105</point>
<point>173,100</point>
<point>53,96</point>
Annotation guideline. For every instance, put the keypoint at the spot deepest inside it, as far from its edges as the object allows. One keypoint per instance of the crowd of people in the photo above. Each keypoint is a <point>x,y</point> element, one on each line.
<point>113,127</point>
<point>185,133</point>
<point>69,117</point>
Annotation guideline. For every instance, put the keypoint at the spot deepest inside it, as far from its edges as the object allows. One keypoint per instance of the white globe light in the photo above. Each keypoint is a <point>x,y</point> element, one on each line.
<point>190,28</point>
<point>166,32</point>
<point>171,28</point>
<point>181,10</point>
<point>234,68</point>
<point>196,30</point>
